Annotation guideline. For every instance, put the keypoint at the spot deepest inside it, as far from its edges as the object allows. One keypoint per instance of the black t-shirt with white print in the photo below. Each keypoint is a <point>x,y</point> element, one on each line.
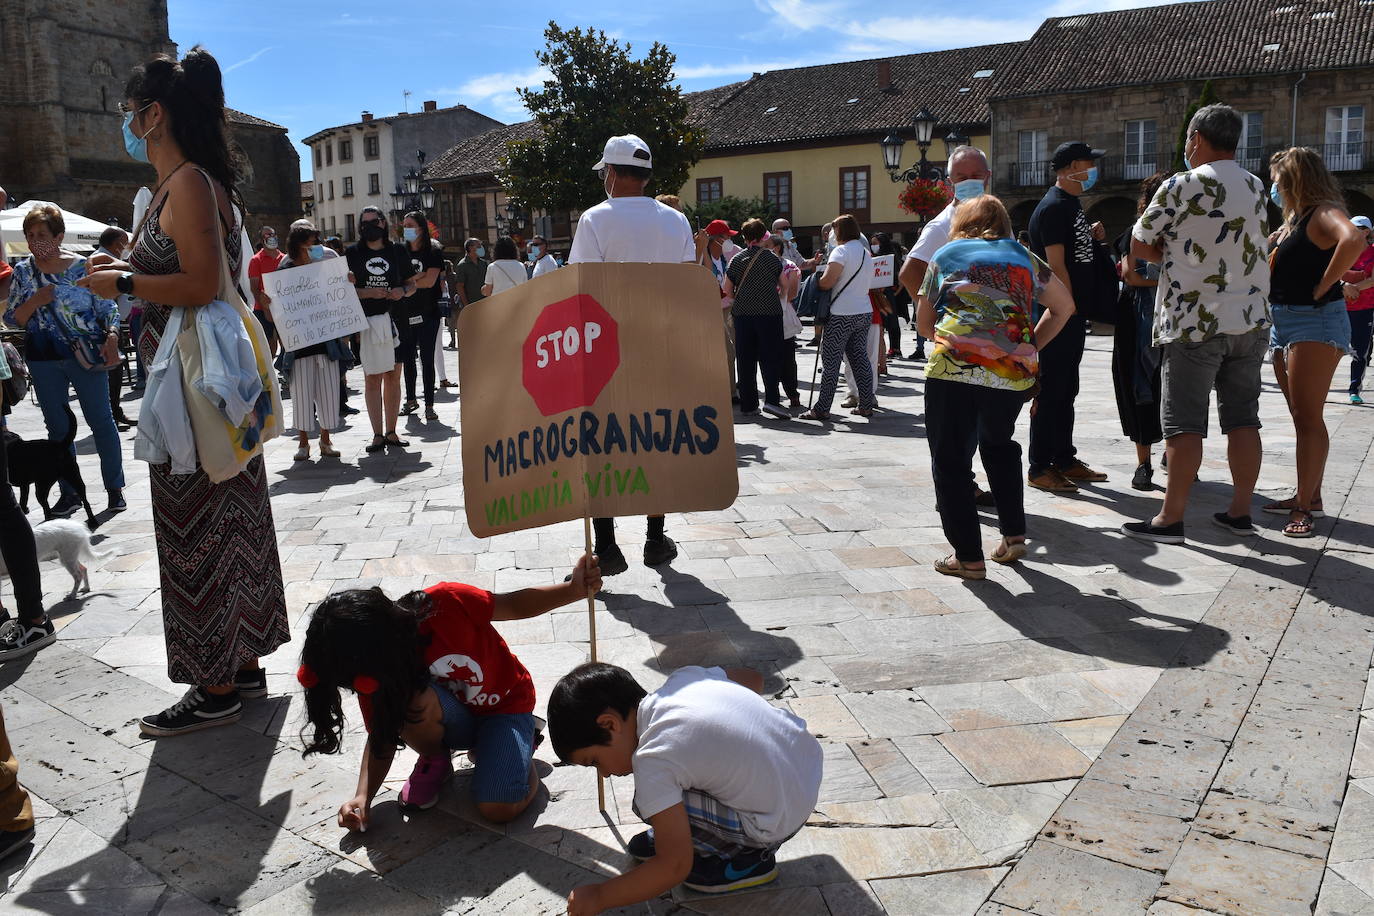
<point>1059,220</point>
<point>386,268</point>
<point>425,303</point>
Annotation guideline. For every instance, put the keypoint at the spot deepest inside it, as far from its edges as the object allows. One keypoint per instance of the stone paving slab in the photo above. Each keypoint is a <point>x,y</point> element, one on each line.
<point>958,719</point>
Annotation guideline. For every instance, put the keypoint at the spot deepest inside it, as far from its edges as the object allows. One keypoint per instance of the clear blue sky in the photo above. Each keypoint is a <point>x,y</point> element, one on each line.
<point>312,65</point>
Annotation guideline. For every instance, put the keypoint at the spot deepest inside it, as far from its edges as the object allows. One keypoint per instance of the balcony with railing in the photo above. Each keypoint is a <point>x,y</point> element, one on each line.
<point>1350,156</point>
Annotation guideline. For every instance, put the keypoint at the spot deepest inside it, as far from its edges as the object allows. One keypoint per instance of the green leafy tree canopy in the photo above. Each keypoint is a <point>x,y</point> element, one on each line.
<point>597,90</point>
<point>1207,97</point>
<point>734,210</point>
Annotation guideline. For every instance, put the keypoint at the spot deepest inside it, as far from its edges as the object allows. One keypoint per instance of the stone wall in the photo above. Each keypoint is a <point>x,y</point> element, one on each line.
<point>271,186</point>
<point>1099,119</point>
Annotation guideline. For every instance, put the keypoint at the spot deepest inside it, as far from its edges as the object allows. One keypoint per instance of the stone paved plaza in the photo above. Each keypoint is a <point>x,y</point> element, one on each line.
<point>1110,727</point>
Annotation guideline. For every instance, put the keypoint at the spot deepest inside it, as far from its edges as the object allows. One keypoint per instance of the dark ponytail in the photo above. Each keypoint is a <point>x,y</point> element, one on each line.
<point>192,91</point>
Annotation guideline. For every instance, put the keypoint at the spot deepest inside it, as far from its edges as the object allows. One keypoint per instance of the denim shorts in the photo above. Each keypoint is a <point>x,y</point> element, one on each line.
<point>504,746</point>
<point>1328,324</point>
<point>1189,371</point>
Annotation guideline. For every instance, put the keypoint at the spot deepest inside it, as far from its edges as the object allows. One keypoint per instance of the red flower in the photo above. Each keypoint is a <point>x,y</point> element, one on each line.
<point>924,197</point>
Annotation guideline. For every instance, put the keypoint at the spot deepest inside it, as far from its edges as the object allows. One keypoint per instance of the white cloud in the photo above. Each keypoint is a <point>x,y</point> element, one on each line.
<point>494,93</point>
<point>248,60</point>
<point>743,68</point>
<point>905,34</point>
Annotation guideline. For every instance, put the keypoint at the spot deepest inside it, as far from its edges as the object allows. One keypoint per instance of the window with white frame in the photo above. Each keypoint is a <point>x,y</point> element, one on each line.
<point>1344,150</point>
<point>1140,149</point>
<point>1032,161</point>
<point>1250,153</point>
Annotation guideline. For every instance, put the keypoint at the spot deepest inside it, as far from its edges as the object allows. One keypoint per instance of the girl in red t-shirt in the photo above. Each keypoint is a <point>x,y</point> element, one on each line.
<point>431,673</point>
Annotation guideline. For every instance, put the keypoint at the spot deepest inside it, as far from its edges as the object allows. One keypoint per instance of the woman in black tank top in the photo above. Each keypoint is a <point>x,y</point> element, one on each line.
<point>1315,246</point>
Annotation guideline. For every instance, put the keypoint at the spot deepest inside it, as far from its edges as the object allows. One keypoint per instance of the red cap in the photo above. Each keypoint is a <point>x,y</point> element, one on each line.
<point>719,227</point>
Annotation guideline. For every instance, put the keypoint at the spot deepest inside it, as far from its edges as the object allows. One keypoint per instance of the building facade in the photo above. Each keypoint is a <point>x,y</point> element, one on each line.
<point>63,65</point>
<point>1301,72</point>
<point>808,139</point>
<point>363,164</point>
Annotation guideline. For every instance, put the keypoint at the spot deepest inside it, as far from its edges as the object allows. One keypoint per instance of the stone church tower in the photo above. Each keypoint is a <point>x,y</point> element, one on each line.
<point>63,64</point>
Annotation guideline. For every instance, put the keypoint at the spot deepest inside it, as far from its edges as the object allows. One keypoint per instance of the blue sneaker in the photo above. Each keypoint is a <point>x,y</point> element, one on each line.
<point>714,875</point>
<point>1356,399</point>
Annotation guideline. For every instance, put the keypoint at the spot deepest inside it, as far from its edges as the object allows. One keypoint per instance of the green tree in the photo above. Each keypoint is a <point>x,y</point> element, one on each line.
<point>734,210</point>
<point>597,90</point>
<point>1205,98</point>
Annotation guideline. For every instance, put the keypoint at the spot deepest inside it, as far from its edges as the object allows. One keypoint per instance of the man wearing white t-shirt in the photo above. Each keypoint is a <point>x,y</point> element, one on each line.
<point>629,227</point>
<point>968,175</point>
<point>544,262</point>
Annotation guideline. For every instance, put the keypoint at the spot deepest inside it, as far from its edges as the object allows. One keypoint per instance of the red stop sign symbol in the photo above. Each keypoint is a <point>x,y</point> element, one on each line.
<point>570,354</point>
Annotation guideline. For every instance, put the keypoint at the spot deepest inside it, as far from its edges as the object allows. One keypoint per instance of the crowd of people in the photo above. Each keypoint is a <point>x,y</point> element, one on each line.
<point>1200,292</point>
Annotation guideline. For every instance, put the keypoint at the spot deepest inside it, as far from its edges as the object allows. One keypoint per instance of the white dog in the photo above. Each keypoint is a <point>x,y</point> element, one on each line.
<point>69,542</point>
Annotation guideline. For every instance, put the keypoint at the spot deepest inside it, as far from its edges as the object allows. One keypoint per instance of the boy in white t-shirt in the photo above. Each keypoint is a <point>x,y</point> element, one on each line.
<point>722,777</point>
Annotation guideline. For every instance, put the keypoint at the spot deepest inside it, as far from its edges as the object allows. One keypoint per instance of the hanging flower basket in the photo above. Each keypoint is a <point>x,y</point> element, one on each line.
<point>924,197</point>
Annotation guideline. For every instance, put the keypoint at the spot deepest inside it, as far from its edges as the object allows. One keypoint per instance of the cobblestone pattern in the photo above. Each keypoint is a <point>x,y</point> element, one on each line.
<point>958,719</point>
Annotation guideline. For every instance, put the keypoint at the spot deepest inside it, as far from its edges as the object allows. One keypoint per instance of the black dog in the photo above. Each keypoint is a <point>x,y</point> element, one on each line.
<point>40,463</point>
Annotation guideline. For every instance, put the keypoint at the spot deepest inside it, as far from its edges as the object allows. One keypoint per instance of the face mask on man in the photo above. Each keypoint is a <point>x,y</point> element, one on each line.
<point>481,251</point>
<point>536,252</point>
<point>271,242</point>
<point>787,234</point>
<point>410,233</point>
<point>134,145</point>
<point>372,231</point>
<point>316,252</point>
<point>968,189</point>
<point>1090,179</point>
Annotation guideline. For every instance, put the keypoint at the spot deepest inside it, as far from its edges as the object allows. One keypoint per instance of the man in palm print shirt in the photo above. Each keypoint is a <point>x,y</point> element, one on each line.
<point>1207,229</point>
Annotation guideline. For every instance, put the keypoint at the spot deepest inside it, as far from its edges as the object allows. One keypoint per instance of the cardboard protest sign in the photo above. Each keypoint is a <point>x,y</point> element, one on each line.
<point>314,303</point>
<point>882,272</point>
<point>597,389</point>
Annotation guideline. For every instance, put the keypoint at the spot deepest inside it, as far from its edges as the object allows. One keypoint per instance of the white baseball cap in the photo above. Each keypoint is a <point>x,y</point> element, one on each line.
<point>626,150</point>
<point>1362,221</point>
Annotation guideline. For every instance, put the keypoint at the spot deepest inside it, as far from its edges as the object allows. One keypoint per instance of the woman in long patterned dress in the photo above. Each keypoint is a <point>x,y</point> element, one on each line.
<point>223,602</point>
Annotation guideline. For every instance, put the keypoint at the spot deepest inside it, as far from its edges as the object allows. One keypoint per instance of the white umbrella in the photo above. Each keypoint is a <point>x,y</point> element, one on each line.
<point>83,233</point>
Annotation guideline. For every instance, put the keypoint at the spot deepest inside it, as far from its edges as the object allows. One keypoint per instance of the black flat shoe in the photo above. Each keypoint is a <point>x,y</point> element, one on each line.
<point>394,441</point>
<point>378,443</point>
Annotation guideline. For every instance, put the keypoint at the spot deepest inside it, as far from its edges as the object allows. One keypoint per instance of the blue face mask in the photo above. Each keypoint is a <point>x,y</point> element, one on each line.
<point>316,252</point>
<point>481,252</point>
<point>1275,196</point>
<point>968,189</point>
<point>410,233</point>
<point>1089,181</point>
<point>134,145</point>
<point>536,251</point>
<point>787,234</point>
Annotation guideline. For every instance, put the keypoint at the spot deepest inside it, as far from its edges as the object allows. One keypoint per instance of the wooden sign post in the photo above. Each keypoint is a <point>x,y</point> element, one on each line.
<point>597,390</point>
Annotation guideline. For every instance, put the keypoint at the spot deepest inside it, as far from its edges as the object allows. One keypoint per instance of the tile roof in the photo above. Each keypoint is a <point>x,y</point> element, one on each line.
<point>845,99</point>
<point>396,117</point>
<point>479,155</point>
<point>1191,41</point>
<point>238,117</point>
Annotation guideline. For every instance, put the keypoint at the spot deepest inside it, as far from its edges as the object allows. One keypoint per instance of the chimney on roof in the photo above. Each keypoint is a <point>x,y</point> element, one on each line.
<point>884,75</point>
<point>367,116</point>
<point>431,106</point>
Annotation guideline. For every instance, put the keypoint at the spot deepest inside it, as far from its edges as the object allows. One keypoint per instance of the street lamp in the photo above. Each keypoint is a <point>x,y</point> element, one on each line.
<point>924,124</point>
<point>954,140</point>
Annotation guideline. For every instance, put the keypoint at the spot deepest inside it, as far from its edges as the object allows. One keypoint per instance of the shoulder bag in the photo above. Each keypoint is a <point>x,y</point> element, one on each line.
<point>224,448</point>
